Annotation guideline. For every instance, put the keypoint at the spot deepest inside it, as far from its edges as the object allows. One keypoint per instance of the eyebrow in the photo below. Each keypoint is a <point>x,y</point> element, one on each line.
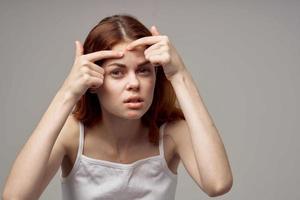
<point>124,66</point>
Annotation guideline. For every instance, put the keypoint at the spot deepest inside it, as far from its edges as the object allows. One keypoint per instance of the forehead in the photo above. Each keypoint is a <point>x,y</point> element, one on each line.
<point>122,45</point>
<point>132,57</point>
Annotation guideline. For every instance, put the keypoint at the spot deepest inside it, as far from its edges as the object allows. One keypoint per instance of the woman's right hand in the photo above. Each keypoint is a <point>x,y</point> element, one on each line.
<point>85,73</point>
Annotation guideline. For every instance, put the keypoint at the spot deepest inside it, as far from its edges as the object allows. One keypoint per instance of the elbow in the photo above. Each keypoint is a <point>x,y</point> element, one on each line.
<point>11,192</point>
<point>11,195</point>
<point>220,189</point>
<point>14,191</point>
<point>6,196</point>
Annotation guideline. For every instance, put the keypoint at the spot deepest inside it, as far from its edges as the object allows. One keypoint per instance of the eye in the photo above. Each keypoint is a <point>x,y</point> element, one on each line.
<point>116,73</point>
<point>145,70</point>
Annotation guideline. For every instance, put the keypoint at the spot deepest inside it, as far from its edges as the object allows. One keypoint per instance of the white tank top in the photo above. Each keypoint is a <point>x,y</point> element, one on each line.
<point>93,179</point>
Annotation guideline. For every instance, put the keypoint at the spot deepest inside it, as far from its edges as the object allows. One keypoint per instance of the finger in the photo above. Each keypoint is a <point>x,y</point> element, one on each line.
<point>160,57</point>
<point>154,30</point>
<point>155,59</point>
<point>95,82</point>
<point>144,41</point>
<point>79,49</point>
<point>99,55</point>
<point>153,47</point>
<point>95,74</point>
<point>95,67</point>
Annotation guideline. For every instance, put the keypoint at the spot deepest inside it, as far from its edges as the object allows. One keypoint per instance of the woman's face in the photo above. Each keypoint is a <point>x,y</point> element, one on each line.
<point>126,77</point>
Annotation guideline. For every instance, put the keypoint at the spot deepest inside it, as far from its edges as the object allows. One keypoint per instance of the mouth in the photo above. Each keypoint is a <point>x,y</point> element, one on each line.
<point>134,103</point>
<point>134,100</point>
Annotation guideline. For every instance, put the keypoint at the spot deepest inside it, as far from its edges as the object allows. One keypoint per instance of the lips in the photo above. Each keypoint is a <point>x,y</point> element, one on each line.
<point>133,100</point>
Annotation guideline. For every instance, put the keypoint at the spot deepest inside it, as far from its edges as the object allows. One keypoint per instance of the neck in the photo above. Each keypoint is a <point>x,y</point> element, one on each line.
<point>122,133</point>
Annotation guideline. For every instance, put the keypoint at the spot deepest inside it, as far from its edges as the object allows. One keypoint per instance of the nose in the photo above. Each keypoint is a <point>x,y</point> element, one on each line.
<point>133,82</point>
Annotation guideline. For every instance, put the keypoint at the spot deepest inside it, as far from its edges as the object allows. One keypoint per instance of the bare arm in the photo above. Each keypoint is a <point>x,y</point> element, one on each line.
<point>30,165</point>
<point>42,154</point>
<point>198,142</point>
<point>214,171</point>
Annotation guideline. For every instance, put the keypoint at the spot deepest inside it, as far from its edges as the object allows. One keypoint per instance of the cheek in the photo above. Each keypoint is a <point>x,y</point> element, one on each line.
<point>109,90</point>
<point>149,89</point>
<point>153,82</point>
<point>153,85</point>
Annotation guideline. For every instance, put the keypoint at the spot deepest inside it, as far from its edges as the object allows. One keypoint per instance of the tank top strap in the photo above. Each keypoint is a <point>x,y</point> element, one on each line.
<point>81,138</point>
<point>161,141</point>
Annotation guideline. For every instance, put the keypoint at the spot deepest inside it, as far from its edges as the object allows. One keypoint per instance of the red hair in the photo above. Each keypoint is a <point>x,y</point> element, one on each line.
<point>108,32</point>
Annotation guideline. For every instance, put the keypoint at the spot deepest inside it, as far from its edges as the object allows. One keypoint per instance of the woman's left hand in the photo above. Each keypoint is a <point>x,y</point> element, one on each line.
<point>161,52</point>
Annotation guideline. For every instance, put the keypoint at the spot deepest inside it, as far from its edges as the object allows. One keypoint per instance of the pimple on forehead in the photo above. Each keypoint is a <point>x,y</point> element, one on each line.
<point>122,47</point>
<point>137,52</point>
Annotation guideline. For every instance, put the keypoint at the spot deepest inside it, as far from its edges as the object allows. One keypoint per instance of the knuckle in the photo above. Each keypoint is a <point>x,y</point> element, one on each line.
<point>166,38</point>
<point>168,57</point>
<point>100,82</point>
<point>100,76</point>
<point>102,53</point>
<point>83,57</point>
<point>97,83</point>
<point>79,57</point>
<point>84,62</point>
<point>84,69</point>
<point>166,48</point>
<point>167,60</point>
<point>85,77</point>
<point>101,70</point>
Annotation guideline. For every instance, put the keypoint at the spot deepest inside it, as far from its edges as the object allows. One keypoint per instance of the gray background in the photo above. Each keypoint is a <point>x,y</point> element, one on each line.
<point>243,55</point>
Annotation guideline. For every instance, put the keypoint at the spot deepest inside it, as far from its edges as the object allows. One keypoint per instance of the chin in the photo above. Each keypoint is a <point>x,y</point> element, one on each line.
<point>134,114</point>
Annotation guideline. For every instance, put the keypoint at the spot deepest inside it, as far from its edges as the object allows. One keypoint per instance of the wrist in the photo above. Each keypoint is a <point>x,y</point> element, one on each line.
<point>179,77</point>
<point>66,96</point>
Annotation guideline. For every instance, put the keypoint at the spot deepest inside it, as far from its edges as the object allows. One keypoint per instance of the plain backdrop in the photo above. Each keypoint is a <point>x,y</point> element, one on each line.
<point>243,56</point>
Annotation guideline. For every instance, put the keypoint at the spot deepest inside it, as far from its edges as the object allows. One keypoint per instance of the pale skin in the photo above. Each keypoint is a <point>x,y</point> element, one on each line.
<point>206,161</point>
<point>196,141</point>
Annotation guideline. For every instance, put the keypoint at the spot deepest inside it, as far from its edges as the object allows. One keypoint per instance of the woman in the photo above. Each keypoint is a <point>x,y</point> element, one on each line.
<point>137,114</point>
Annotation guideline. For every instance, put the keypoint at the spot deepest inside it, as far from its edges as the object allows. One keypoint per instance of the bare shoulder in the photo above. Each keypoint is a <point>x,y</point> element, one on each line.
<point>59,151</point>
<point>69,138</point>
<point>70,132</point>
<point>175,128</point>
<point>171,130</point>
<point>175,131</point>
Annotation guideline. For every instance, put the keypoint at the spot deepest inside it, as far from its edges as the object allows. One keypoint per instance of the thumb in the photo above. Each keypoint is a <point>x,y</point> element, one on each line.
<point>79,49</point>
<point>154,30</point>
